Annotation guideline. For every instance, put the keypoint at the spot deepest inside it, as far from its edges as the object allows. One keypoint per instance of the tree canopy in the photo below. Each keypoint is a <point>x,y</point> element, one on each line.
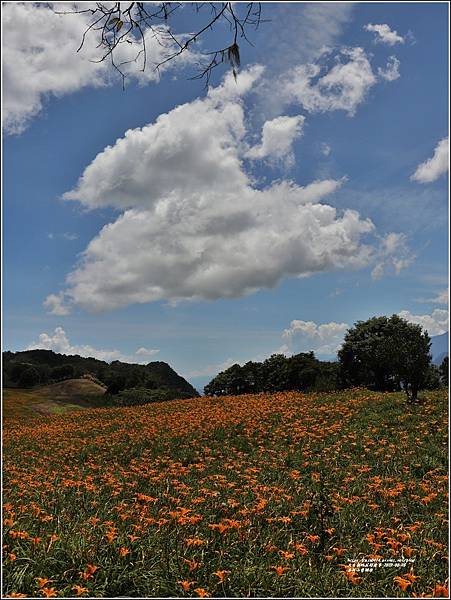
<point>277,373</point>
<point>385,353</point>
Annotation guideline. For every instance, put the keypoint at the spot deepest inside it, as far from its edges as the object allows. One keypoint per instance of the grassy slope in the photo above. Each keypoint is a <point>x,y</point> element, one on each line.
<point>265,495</point>
<point>57,398</point>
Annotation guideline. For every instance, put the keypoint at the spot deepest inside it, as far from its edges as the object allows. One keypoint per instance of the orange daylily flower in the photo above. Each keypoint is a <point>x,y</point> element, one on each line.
<point>221,575</point>
<point>48,592</point>
<point>36,540</point>
<point>411,577</point>
<point>352,576</point>
<point>286,555</point>
<point>301,549</point>
<point>192,564</point>
<point>440,591</point>
<point>221,527</point>
<point>402,583</point>
<point>280,570</point>
<point>186,584</point>
<point>202,593</point>
<point>194,541</point>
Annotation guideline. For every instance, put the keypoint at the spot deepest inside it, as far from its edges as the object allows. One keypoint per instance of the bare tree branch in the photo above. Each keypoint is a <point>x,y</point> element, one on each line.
<point>112,24</point>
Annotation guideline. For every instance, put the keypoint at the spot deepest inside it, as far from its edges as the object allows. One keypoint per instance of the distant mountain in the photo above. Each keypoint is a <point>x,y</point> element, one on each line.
<point>52,365</point>
<point>439,348</point>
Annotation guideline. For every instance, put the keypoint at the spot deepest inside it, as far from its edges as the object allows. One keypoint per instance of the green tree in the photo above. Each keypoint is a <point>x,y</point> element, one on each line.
<point>386,353</point>
<point>252,377</point>
<point>29,377</point>
<point>444,371</point>
<point>276,373</point>
<point>218,386</point>
<point>66,371</point>
<point>302,371</point>
<point>432,379</point>
<point>16,370</point>
<point>116,384</point>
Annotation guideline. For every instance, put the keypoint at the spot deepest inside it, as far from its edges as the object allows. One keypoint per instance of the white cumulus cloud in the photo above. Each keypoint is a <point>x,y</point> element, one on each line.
<point>40,58</point>
<point>432,169</point>
<point>59,342</point>
<point>343,87</point>
<point>323,338</point>
<point>384,34</point>
<point>193,225</point>
<point>435,324</point>
<point>277,140</point>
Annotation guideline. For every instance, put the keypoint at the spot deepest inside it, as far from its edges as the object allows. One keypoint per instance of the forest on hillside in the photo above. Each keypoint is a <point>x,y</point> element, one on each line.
<point>150,382</point>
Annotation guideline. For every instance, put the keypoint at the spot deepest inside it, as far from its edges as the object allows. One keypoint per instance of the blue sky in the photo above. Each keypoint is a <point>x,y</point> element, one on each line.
<point>267,215</point>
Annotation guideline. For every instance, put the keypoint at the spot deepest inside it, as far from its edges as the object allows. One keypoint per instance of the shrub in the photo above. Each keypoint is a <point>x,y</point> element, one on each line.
<point>137,396</point>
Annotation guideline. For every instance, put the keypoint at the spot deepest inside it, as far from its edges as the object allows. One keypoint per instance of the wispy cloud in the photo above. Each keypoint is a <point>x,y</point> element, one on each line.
<point>391,70</point>
<point>394,255</point>
<point>440,298</point>
<point>147,351</point>
<point>59,342</point>
<point>56,305</point>
<point>212,369</point>
<point>64,236</point>
<point>309,30</point>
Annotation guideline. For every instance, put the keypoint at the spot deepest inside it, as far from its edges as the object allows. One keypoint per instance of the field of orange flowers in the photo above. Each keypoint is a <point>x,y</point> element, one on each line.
<point>282,495</point>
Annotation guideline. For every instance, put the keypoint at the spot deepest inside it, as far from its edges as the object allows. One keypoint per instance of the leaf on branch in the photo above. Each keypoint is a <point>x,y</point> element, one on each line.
<point>234,55</point>
<point>116,22</point>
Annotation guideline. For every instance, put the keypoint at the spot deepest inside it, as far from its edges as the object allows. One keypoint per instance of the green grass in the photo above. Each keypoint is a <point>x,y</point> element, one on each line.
<point>57,398</point>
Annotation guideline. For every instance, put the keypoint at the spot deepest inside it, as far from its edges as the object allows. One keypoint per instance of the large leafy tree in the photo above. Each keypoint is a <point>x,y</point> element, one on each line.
<point>386,353</point>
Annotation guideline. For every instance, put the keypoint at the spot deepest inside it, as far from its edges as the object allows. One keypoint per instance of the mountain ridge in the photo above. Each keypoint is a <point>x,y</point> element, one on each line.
<point>154,375</point>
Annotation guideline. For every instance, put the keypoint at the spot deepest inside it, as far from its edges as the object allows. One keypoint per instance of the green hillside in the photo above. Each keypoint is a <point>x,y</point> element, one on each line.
<point>40,367</point>
<point>53,399</point>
